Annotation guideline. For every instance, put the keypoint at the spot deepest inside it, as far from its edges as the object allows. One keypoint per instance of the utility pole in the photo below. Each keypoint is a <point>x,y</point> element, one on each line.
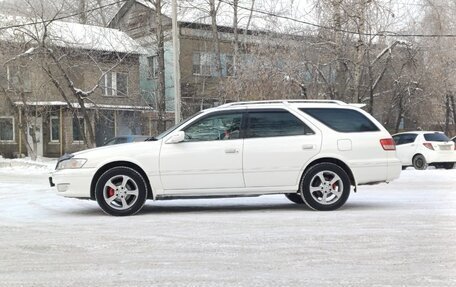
<point>177,90</point>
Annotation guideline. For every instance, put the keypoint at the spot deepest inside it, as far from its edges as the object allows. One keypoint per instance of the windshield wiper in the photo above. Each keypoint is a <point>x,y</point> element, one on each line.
<point>151,139</point>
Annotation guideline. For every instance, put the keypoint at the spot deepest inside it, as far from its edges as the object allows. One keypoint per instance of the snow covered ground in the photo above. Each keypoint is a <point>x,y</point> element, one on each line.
<point>401,234</point>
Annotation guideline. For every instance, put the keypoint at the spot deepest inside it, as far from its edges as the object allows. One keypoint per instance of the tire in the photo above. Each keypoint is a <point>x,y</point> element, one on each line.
<point>121,191</point>
<point>294,197</point>
<point>448,165</point>
<point>317,191</point>
<point>419,162</point>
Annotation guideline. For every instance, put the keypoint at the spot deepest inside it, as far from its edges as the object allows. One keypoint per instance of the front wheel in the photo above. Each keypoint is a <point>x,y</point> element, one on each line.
<point>325,186</point>
<point>121,191</point>
<point>419,162</point>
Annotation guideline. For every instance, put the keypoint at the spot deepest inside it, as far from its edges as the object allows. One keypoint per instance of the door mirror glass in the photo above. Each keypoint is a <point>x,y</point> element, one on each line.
<point>176,137</point>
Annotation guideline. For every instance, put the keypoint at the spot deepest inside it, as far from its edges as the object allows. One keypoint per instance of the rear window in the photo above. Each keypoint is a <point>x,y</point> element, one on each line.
<point>436,137</point>
<point>342,120</point>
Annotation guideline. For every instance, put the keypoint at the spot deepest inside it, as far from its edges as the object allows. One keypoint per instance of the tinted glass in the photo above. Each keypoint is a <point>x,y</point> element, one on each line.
<point>405,138</point>
<point>397,139</point>
<point>342,120</point>
<point>275,124</point>
<point>436,137</point>
<point>216,127</point>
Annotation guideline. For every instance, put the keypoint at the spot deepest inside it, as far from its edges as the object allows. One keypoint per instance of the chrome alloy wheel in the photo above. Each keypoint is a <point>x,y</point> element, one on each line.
<point>326,187</point>
<point>120,192</point>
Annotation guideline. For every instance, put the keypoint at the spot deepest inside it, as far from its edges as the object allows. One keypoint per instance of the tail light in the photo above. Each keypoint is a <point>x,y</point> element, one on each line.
<point>388,144</point>
<point>429,146</point>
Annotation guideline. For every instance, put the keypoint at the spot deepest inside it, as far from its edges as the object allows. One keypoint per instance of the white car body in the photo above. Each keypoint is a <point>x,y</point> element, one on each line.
<point>411,144</point>
<point>239,167</point>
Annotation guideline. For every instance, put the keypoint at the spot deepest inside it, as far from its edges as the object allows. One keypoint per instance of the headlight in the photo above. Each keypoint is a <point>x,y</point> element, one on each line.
<point>71,163</point>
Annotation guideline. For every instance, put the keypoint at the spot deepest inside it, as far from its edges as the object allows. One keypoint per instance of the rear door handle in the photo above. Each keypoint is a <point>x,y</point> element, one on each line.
<point>308,146</point>
<point>231,150</point>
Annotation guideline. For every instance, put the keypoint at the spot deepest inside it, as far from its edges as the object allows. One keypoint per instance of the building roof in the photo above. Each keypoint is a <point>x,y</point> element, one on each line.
<point>87,105</point>
<point>194,14</point>
<point>68,35</point>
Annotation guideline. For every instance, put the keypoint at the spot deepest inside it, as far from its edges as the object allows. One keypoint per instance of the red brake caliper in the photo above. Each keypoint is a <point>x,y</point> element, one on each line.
<point>110,192</point>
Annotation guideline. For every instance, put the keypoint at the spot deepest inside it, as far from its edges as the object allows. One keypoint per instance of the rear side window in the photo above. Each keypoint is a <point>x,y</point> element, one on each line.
<point>275,124</point>
<point>436,137</point>
<point>342,120</point>
<point>405,138</point>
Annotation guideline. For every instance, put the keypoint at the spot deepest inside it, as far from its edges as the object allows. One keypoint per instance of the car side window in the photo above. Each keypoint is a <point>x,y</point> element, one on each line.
<point>408,138</point>
<point>397,139</point>
<point>216,127</point>
<point>342,120</point>
<point>275,124</point>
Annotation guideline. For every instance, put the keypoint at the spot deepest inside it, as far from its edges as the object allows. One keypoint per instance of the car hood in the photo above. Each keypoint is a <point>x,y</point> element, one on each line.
<point>130,151</point>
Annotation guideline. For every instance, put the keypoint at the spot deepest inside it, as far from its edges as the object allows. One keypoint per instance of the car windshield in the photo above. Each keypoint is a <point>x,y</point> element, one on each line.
<point>170,130</point>
<point>436,137</point>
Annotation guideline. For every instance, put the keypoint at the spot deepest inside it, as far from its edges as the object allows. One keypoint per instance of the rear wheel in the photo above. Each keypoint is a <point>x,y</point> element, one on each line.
<point>419,162</point>
<point>295,197</point>
<point>448,165</point>
<point>121,191</point>
<point>325,186</point>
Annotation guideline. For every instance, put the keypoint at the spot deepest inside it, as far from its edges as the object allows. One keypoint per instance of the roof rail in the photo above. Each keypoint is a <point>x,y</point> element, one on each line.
<point>285,102</point>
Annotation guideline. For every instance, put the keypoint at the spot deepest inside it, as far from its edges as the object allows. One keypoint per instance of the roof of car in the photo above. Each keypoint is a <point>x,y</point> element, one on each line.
<point>281,103</point>
<point>418,132</point>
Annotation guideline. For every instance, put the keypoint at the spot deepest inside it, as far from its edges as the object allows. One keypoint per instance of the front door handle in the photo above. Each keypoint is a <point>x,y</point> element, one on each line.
<point>231,150</point>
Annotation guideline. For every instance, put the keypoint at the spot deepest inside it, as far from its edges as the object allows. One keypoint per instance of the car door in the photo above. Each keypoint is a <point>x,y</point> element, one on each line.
<point>276,147</point>
<point>406,147</point>
<point>209,158</point>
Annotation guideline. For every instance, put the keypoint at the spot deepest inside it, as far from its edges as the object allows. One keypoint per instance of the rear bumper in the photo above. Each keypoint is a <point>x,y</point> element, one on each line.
<point>73,182</point>
<point>438,156</point>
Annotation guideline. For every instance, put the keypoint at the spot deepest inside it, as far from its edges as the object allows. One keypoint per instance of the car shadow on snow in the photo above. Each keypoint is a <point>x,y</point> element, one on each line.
<point>151,208</point>
<point>219,208</point>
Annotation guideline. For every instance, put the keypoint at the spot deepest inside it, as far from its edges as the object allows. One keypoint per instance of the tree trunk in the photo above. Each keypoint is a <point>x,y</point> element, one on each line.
<point>400,114</point>
<point>359,52</point>
<point>82,12</point>
<point>341,71</point>
<point>235,34</point>
<point>160,91</point>
<point>447,113</point>
<point>215,37</point>
<point>453,107</point>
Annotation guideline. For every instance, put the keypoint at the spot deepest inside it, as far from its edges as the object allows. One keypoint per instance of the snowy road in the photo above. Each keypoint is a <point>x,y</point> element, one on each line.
<point>401,234</point>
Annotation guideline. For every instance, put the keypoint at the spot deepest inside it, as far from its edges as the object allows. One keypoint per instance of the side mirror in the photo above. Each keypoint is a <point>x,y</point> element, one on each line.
<point>176,138</point>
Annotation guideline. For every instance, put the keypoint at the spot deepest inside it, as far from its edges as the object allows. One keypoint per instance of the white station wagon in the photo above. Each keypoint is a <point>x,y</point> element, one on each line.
<point>312,151</point>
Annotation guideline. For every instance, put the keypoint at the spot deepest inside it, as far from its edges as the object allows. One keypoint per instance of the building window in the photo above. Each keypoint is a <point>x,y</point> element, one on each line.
<point>54,125</point>
<point>18,78</point>
<point>78,129</point>
<point>6,129</point>
<point>203,63</point>
<point>114,84</point>
<point>152,72</point>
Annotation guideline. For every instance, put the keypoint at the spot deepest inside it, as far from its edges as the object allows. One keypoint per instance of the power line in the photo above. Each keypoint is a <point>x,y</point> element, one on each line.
<point>62,17</point>
<point>379,34</point>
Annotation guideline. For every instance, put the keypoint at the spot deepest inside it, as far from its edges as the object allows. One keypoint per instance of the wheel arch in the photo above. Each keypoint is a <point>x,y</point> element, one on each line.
<point>336,161</point>
<point>110,165</point>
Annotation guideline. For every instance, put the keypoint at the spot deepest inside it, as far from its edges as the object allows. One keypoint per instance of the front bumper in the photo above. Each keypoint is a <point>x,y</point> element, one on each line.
<point>73,182</point>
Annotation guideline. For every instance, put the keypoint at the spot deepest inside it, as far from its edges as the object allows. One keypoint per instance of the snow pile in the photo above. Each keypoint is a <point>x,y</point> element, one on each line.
<point>67,34</point>
<point>27,166</point>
